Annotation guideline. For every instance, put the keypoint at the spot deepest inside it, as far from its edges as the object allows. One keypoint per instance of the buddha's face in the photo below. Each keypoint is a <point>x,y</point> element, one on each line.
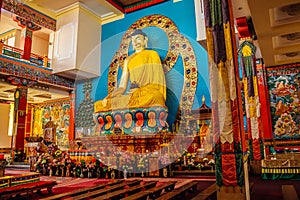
<point>138,42</point>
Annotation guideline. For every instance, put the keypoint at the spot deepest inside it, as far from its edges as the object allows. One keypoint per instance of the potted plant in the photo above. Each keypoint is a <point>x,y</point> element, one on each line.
<point>211,163</point>
<point>164,162</point>
<point>178,163</point>
<point>125,170</point>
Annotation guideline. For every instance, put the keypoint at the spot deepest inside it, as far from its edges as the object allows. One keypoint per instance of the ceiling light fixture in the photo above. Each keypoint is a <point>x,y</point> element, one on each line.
<point>292,36</point>
<point>292,9</point>
<point>291,54</point>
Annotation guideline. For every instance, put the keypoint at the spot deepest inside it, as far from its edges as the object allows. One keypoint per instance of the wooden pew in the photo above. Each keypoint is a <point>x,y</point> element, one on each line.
<point>28,188</point>
<point>152,193</point>
<point>206,193</point>
<point>129,191</point>
<point>83,190</point>
<point>103,191</point>
<point>144,186</point>
<point>179,193</point>
<point>289,192</point>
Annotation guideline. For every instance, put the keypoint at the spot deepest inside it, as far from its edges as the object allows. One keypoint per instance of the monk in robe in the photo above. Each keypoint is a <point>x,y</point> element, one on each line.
<point>147,79</point>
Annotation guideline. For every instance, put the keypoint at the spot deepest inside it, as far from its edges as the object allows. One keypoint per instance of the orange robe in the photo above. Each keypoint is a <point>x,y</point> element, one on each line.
<point>146,73</point>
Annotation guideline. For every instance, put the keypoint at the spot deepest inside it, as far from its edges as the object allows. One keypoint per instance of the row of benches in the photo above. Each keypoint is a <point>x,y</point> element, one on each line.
<point>125,190</point>
<point>83,190</point>
<point>153,193</point>
<point>27,189</point>
<point>129,190</point>
<point>106,190</point>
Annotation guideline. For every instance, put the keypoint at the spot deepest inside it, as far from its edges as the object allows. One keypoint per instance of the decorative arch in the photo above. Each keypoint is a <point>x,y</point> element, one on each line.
<point>178,45</point>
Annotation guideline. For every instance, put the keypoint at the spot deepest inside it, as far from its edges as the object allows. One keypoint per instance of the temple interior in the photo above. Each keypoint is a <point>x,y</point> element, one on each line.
<point>149,99</point>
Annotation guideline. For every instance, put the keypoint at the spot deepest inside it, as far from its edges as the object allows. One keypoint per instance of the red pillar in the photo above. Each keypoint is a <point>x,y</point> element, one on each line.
<point>27,44</point>
<point>264,101</point>
<point>72,115</point>
<point>20,117</point>
<point>0,7</point>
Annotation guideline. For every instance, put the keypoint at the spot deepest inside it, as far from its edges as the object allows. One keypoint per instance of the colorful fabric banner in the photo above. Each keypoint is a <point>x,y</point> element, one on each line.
<point>224,93</point>
<point>247,59</point>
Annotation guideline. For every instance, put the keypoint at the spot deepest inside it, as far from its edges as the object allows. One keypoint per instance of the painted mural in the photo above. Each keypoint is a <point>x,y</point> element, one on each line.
<point>84,121</point>
<point>59,113</point>
<point>283,83</point>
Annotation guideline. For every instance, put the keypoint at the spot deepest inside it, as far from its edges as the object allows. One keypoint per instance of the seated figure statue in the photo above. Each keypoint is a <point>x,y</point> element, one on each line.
<point>147,80</point>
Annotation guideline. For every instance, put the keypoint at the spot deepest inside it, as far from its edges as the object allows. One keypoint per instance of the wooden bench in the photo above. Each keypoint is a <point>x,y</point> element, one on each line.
<point>152,193</point>
<point>128,191</point>
<point>83,190</point>
<point>205,194</point>
<point>103,191</point>
<point>28,188</point>
<point>144,186</point>
<point>289,192</point>
<point>179,193</point>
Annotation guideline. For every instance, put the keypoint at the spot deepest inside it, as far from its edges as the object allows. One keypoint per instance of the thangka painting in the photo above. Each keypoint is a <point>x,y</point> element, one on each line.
<point>283,83</point>
<point>59,114</point>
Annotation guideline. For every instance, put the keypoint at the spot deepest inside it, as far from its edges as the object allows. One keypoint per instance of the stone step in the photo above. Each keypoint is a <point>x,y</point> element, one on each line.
<point>18,165</point>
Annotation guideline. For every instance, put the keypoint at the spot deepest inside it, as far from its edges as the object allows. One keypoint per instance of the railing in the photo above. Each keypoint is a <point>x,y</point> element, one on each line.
<point>18,53</point>
<point>8,34</point>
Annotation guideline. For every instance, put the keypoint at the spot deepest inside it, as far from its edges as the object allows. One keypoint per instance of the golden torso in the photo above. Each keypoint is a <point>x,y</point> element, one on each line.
<point>145,70</point>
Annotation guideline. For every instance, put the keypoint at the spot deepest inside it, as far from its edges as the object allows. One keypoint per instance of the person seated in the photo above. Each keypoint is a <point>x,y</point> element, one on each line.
<point>144,70</point>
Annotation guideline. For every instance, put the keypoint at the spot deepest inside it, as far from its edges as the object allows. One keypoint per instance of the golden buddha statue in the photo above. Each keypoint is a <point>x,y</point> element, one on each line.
<point>204,131</point>
<point>147,79</point>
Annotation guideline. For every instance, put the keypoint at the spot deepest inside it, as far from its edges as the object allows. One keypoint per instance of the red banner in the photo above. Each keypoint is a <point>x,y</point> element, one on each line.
<point>229,169</point>
<point>0,7</point>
